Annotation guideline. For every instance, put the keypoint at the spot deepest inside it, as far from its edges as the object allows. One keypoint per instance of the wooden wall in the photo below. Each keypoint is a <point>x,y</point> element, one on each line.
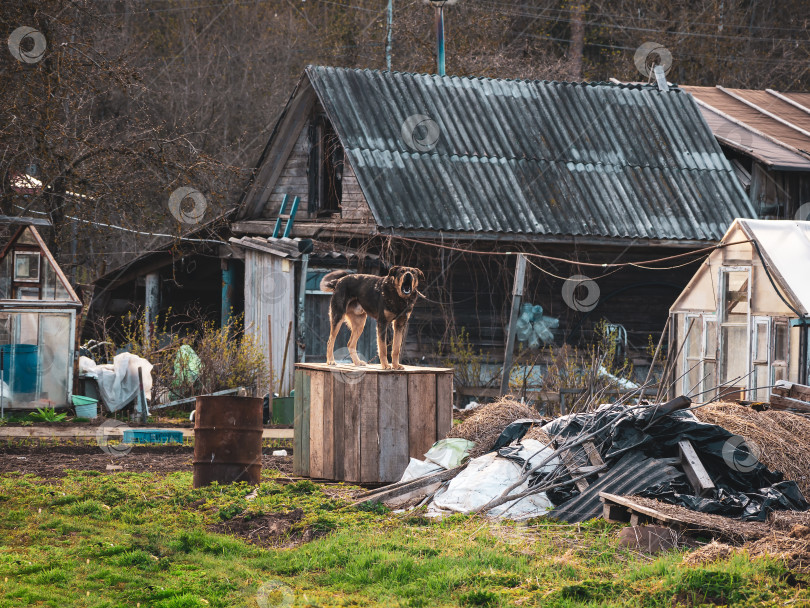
<point>270,290</point>
<point>294,180</point>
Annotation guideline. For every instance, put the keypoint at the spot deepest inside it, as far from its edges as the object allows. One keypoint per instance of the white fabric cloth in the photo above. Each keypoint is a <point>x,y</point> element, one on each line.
<point>118,381</point>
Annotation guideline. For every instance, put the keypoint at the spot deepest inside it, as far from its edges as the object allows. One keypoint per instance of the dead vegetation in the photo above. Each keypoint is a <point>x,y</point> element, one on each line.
<point>783,438</point>
<point>485,425</point>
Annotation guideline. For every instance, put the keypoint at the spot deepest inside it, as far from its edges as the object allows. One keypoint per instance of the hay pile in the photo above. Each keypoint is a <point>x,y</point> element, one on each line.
<point>486,424</point>
<point>792,548</point>
<point>783,438</point>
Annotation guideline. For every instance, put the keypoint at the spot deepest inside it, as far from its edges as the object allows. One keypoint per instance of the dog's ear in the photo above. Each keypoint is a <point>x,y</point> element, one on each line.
<point>420,275</point>
<point>394,271</point>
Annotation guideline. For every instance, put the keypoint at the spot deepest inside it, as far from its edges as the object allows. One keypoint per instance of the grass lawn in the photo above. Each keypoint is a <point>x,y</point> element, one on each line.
<point>129,539</point>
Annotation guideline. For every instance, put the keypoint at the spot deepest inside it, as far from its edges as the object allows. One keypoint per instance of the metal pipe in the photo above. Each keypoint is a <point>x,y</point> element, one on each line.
<point>227,293</point>
<point>390,34</point>
<point>440,39</point>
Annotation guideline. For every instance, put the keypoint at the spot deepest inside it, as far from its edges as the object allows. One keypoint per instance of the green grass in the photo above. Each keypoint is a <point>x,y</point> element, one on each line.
<point>96,540</point>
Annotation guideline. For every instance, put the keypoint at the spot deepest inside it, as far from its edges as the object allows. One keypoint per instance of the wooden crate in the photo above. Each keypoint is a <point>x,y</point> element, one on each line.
<point>362,424</point>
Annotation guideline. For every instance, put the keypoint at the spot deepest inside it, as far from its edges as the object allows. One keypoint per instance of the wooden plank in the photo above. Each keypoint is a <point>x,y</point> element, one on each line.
<point>421,413</point>
<point>639,509</point>
<point>351,430</point>
<point>393,426</point>
<point>695,471</point>
<point>298,427</point>
<point>444,404</point>
<point>571,466</point>
<point>338,398</point>
<point>302,422</point>
<point>788,403</point>
<point>369,431</point>
<point>593,456</point>
<point>400,489</point>
<point>328,428</point>
<point>316,435</point>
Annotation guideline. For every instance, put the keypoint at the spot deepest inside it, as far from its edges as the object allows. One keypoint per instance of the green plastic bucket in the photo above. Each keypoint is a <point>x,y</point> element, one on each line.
<point>86,407</point>
<point>283,410</point>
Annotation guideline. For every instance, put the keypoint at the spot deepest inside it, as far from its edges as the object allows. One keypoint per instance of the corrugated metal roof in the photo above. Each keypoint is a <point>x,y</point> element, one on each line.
<point>531,157</point>
<point>774,126</point>
<point>634,472</point>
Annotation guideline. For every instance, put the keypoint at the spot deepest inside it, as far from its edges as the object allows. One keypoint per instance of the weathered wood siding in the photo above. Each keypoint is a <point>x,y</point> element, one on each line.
<point>293,179</point>
<point>353,204</point>
<point>270,290</point>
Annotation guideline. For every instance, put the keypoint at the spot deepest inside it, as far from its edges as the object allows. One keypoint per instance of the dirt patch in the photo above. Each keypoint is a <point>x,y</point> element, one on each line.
<point>269,530</point>
<point>53,461</point>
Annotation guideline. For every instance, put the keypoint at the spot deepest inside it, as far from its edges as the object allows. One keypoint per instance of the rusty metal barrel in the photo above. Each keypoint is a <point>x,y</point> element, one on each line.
<point>227,440</point>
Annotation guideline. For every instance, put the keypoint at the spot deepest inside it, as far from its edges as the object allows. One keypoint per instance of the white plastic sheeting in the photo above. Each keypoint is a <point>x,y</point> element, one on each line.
<point>486,478</point>
<point>118,381</point>
<point>786,245</point>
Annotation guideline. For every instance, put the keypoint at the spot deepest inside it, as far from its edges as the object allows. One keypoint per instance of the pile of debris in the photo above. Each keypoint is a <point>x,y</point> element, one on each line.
<point>624,462</point>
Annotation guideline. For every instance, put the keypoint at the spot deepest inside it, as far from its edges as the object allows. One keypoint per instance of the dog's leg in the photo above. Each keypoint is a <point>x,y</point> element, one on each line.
<point>330,345</point>
<point>382,347</point>
<point>400,329</point>
<point>357,323</point>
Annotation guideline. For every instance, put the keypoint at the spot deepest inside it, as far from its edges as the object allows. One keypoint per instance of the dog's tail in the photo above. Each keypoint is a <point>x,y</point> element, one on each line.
<point>329,281</point>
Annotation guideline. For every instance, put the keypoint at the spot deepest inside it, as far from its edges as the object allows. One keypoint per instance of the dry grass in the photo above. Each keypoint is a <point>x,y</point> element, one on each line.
<point>486,424</point>
<point>783,438</point>
<point>792,548</point>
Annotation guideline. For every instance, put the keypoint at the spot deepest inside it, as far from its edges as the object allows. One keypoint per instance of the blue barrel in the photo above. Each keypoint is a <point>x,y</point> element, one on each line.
<point>20,362</point>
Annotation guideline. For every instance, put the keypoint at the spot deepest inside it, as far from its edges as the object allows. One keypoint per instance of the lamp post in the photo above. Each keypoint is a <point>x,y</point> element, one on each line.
<point>438,5</point>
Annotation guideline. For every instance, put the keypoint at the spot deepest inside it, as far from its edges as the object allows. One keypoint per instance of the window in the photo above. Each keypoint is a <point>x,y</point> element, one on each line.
<point>760,357</point>
<point>780,350</point>
<point>700,356</point>
<point>325,168</point>
<point>26,266</point>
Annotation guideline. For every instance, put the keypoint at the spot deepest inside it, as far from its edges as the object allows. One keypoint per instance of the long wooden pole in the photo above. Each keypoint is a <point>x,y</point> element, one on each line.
<point>517,294</point>
<point>284,360</point>
<point>270,354</point>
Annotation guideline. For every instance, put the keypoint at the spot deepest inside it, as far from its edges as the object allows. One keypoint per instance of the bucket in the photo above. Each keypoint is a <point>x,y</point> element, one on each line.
<point>227,440</point>
<point>21,365</point>
<point>283,410</point>
<point>86,407</point>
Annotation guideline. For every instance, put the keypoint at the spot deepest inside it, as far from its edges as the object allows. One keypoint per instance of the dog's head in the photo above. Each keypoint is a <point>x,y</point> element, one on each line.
<point>406,280</point>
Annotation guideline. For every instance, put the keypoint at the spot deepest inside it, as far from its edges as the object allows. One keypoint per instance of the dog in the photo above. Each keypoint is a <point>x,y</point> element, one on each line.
<point>389,300</point>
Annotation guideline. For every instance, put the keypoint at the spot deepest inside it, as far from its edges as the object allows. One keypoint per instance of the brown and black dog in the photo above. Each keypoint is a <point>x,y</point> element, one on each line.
<point>389,300</point>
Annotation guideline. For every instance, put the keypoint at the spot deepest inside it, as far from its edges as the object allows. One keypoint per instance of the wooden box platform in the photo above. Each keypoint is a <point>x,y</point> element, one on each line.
<point>362,424</point>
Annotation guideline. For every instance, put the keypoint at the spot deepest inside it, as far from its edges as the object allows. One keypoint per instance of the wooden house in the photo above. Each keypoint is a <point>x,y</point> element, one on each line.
<point>455,175</point>
<point>766,136</point>
<point>742,321</point>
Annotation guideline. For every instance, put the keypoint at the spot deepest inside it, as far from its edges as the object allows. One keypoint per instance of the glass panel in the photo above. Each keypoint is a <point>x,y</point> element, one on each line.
<point>760,383</point>
<point>28,293</point>
<point>761,344</point>
<point>52,287</point>
<point>692,378</point>
<point>780,342</point>
<point>692,347</point>
<point>27,237</point>
<point>26,266</point>
<point>710,381</point>
<point>735,298</point>
<point>35,356</point>
<point>53,354</point>
<point>735,353</point>
<point>5,278</point>
<point>710,345</point>
<point>778,373</point>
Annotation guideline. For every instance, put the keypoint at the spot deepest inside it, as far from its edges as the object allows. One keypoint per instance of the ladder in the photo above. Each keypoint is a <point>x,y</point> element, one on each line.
<point>282,215</point>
